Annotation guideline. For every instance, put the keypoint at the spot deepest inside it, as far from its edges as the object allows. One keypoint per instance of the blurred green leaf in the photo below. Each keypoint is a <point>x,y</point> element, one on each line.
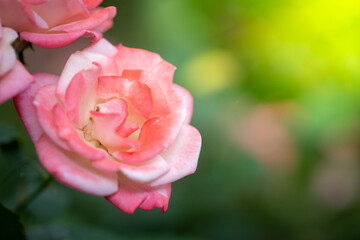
<point>10,227</point>
<point>7,134</point>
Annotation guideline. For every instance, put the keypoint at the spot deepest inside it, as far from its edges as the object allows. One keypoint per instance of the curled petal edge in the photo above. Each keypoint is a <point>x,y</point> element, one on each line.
<point>56,40</point>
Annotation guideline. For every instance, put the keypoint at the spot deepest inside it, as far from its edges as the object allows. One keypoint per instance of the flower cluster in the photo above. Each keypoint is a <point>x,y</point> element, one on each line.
<point>113,124</point>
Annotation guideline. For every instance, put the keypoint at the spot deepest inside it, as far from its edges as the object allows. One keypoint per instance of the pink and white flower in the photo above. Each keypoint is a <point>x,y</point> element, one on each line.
<point>56,23</point>
<point>113,124</point>
<point>14,78</point>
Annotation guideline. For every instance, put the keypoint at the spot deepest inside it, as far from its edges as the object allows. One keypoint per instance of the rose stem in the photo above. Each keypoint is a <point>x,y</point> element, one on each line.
<point>25,202</point>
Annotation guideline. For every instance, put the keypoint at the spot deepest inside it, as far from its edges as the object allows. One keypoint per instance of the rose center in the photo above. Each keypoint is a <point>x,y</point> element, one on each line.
<point>113,126</point>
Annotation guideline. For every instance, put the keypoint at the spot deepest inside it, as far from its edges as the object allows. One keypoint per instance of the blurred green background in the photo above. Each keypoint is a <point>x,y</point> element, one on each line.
<point>277,101</point>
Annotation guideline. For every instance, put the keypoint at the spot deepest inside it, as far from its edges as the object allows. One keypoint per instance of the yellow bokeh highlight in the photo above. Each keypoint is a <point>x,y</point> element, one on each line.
<point>211,71</point>
<point>310,42</point>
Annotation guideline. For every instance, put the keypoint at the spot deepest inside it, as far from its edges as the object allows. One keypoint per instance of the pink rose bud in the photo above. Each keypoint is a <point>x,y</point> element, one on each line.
<point>56,23</point>
<point>13,76</point>
<point>113,124</point>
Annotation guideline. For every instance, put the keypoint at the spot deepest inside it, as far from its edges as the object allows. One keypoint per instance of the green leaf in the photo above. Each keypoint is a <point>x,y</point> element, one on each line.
<point>7,134</point>
<point>10,227</point>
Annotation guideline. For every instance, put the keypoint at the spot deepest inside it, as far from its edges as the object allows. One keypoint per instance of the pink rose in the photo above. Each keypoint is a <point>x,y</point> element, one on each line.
<point>56,23</point>
<point>13,76</point>
<point>113,125</point>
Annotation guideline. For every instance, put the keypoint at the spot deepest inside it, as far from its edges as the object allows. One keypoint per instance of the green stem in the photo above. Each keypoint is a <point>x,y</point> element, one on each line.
<point>24,203</point>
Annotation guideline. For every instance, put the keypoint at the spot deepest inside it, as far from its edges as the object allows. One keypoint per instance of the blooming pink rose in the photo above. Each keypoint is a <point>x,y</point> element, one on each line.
<point>113,125</point>
<point>13,76</point>
<point>56,23</point>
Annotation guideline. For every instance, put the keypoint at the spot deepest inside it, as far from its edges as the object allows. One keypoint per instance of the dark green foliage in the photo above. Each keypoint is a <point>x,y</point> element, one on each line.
<point>10,227</point>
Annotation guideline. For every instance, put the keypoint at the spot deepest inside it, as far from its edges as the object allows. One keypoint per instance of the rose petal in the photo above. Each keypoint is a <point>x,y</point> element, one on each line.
<point>74,171</point>
<point>159,198</point>
<point>14,82</point>
<point>127,129</point>
<point>157,134</point>
<point>56,40</point>
<point>35,1</point>
<point>108,118</point>
<point>132,74</point>
<point>108,24</point>
<point>74,140</point>
<point>188,99</point>
<point>96,18</point>
<point>33,17</point>
<point>139,96</point>
<point>81,61</point>
<point>130,196</point>
<point>19,23</point>
<point>90,4</point>
<point>55,12</point>
<point>102,47</point>
<point>146,171</point>
<point>7,52</point>
<point>160,102</point>
<point>141,173</point>
<point>80,96</point>
<point>24,104</point>
<point>44,102</point>
<point>132,58</point>
<point>111,86</point>
<point>182,156</point>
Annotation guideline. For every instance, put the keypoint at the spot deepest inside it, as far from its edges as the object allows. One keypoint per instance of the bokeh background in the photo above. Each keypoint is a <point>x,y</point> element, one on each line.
<point>276,99</point>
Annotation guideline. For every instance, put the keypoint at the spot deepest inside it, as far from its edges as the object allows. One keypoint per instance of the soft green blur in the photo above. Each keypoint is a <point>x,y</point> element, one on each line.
<point>276,87</point>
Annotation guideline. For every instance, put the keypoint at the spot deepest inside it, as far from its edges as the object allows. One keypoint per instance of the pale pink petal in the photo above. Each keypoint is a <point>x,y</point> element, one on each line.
<point>137,94</point>
<point>24,104</point>
<point>157,198</point>
<point>37,15</point>
<point>56,12</point>
<point>35,1</point>
<point>14,15</point>
<point>90,4</point>
<point>104,26</point>
<point>80,61</point>
<point>130,196</point>
<point>160,101</point>
<point>116,106</point>
<point>97,17</point>
<point>44,102</point>
<point>127,198</point>
<point>132,58</point>
<point>188,99</point>
<point>56,40</point>
<point>112,86</point>
<point>182,156</point>
<point>33,17</point>
<point>56,23</point>
<point>14,82</point>
<point>74,140</point>
<point>80,96</point>
<point>102,47</point>
<point>74,171</point>
<point>139,97</point>
<point>157,134</point>
<point>7,52</point>
<point>132,74</point>
<point>127,129</point>
<point>107,119</point>
<point>146,171</point>
<point>107,164</point>
<point>141,173</point>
